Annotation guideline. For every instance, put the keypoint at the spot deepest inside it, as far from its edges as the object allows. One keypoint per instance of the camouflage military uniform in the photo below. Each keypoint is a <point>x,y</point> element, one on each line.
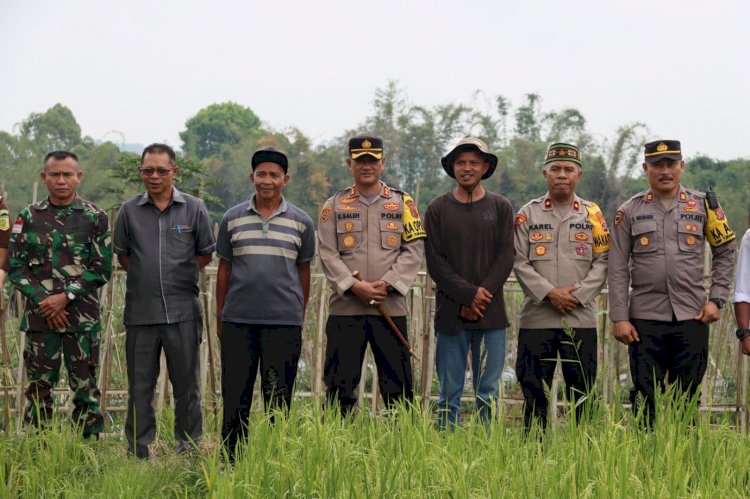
<point>62,250</point>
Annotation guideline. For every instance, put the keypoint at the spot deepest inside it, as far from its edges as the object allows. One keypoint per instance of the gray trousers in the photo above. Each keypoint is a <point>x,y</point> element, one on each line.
<point>143,348</point>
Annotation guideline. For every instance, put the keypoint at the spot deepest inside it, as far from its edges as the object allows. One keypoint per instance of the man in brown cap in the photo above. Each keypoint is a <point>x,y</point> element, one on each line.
<point>561,244</point>
<point>657,246</point>
<point>375,230</point>
<point>469,252</point>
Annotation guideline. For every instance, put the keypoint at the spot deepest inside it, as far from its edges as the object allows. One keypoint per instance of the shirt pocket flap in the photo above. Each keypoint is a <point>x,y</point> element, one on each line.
<point>390,226</point>
<point>643,227</point>
<point>344,226</point>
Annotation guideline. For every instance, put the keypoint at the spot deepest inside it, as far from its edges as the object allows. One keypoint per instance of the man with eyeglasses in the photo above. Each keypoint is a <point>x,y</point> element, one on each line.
<point>163,238</point>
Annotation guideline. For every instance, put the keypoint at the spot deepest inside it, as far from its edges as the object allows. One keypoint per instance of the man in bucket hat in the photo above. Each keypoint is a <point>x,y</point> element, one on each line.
<point>562,244</point>
<point>470,311</point>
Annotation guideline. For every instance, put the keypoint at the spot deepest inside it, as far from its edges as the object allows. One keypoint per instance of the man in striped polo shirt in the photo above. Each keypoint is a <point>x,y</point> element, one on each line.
<point>265,248</point>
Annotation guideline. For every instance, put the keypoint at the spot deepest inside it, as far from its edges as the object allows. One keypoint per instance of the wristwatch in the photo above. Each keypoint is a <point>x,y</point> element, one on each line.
<point>719,302</point>
<point>70,296</point>
<point>742,332</point>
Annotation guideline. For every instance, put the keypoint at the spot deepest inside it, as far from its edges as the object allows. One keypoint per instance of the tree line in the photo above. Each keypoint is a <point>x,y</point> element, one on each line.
<point>218,141</point>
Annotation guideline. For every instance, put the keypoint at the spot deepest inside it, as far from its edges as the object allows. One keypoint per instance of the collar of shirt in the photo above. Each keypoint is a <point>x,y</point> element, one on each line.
<point>45,204</point>
<point>385,191</point>
<point>682,195</point>
<point>177,197</point>
<point>576,205</point>
<point>281,209</point>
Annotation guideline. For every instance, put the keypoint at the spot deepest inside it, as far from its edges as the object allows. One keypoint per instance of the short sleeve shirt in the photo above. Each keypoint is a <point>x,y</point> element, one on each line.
<point>264,285</point>
<point>162,284</point>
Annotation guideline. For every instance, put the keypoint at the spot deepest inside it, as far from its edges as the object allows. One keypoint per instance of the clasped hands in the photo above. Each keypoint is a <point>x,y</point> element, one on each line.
<point>475,310</point>
<point>53,310</point>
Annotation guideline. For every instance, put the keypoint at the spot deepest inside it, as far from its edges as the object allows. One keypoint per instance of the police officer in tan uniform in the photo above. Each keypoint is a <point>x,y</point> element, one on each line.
<point>658,239</point>
<point>562,243</point>
<point>375,230</point>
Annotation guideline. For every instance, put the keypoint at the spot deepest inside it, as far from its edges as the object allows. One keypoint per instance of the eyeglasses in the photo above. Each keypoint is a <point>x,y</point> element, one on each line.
<point>162,172</point>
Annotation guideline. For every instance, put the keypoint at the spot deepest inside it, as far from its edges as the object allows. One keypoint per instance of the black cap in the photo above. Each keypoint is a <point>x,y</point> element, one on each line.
<point>270,155</point>
<point>366,144</point>
<point>660,149</point>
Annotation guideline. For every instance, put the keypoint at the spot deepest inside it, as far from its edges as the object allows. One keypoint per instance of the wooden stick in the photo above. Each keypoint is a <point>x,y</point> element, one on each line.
<point>389,320</point>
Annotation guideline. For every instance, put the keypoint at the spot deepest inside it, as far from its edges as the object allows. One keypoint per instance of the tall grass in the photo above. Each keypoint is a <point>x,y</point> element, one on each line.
<point>313,452</point>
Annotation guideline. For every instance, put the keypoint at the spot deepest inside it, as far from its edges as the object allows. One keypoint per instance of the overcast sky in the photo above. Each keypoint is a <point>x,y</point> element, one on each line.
<point>143,68</point>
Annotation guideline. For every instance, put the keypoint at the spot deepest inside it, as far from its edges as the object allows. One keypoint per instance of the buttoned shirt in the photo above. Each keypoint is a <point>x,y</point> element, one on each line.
<point>658,252</point>
<point>163,246</point>
<point>554,252</point>
<point>381,240</point>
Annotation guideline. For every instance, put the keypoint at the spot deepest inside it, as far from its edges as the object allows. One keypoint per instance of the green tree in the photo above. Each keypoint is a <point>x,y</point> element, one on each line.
<point>53,129</point>
<point>217,126</point>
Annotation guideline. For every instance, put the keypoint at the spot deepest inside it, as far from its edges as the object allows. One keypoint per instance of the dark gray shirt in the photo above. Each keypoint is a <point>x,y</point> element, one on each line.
<point>162,284</point>
<point>264,285</point>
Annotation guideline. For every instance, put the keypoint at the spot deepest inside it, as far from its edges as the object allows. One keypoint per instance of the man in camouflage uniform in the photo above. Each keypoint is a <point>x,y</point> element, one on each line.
<point>60,256</point>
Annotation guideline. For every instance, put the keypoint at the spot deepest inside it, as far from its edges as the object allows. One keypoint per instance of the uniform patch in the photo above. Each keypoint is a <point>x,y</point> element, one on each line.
<point>326,213</point>
<point>391,226</point>
<point>412,207</point>
<point>716,228</point>
<point>644,240</point>
<point>348,226</point>
<point>683,196</point>
<point>619,217</point>
<point>576,206</point>
<point>386,191</point>
<point>536,236</point>
<point>649,197</point>
<point>18,226</point>
<point>691,203</point>
<point>690,240</point>
<point>392,240</point>
<point>4,220</point>
<point>582,236</point>
<point>719,213</point>
<point>548,203</point>
<point>548,236</point>
<point>346,207</point>
<point>691,209</point>
<point>348,241</point>
<point>691,227</point>
<point>519,220</point>
<point>540,250</point>
<point>392,206</point>
<point>581,249</point>
<point>413,228</point>
<point>348,200</point>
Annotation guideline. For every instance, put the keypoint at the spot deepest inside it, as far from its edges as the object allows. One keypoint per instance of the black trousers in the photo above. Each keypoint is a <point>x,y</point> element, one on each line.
<point>143,346</point>
<point>348,337</point>
<point>536,362</point>
<point>677,349</point>
<point>245,347</point>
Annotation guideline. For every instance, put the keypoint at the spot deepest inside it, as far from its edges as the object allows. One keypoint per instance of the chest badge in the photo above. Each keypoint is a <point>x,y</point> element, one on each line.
<point>644,241</point>
<point>348,241</point>
<point>582,236</point>
<point>690,240</point>
<point>691,203</point>
<point>391,226</point>
<point>392,240</point>
<point>540,250</point>
<point>392,206</point>
<point>691,227</point>
<point>348,200</point>
<point>581,249</point>
<point>536,236</point>
<point>346,207</point>
<point>548,236</point>
<point>349,226</point>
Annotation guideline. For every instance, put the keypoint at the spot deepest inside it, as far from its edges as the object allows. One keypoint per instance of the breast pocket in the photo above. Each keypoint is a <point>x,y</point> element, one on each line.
<point>580,245</point>
<point>540,249</point>
<point>644,237</point>
<point>348,235</point>
<point>690,237</point>
<point>390,234</point>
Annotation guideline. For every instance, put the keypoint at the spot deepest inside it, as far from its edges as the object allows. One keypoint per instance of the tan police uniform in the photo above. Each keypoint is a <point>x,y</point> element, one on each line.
<point>665,251</point>
<point>556,253</point>
<point>382,240</point>
<point>657,253</point>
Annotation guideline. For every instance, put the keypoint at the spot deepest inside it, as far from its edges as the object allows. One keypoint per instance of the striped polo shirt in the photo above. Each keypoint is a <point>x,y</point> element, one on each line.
<point>264,286</point>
